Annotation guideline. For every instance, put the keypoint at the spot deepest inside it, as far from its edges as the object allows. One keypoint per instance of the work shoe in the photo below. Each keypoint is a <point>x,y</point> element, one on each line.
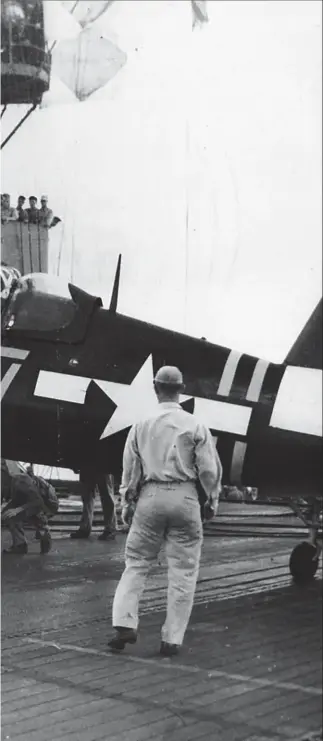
<point>81,533</point>
<point>45,542</point>
<point>123,636</point>
<point>107,534</point>
<point>168,649</point>
<point>20,550</point>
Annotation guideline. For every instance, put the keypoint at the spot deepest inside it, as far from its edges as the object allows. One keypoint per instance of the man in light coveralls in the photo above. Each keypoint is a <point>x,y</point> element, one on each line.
<point>165,457</point>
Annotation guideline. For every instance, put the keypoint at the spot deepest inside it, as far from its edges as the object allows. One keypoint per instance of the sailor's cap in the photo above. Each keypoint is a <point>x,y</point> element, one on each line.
<point>169,375</point>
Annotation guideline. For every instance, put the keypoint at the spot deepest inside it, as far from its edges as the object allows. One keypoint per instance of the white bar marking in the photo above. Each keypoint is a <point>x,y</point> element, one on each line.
<point>188,669</point>
<point>8,378</point>
<point>229,373</point>
<point>62,386</point>
<point>298,405</point>
<point>239,452</point>
<point>222,416</point>
<point>217,415</point>
<point>256,382</point>
<point>14,352</point>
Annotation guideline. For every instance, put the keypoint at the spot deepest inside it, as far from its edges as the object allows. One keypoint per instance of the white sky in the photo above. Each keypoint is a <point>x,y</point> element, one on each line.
<point>226,119</point>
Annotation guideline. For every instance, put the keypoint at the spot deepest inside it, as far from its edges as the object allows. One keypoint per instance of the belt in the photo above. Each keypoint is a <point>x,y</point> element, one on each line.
<point>172,483</point>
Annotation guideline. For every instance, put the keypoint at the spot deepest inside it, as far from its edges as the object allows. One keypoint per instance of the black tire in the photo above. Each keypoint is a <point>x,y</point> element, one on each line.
<point>303,562</point>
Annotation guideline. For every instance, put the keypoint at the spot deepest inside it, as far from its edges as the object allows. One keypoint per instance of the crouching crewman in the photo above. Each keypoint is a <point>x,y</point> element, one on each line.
<point>26,499</point>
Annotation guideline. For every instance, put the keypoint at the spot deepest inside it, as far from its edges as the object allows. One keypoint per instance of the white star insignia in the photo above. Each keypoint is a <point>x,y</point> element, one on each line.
<point>134,402</point>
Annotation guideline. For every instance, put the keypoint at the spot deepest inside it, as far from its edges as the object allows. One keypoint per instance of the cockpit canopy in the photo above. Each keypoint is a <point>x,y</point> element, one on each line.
<point>48,283</point>
<point>38,302</point>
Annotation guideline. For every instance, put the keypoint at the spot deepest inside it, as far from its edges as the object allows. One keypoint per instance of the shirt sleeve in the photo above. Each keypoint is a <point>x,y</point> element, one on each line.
<point>131,471</point>
<point>208,464</point>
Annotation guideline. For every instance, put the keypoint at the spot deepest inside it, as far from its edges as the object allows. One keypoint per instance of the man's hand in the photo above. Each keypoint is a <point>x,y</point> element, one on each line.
<point>130,495</point>
<point>209,510</point>
<point>128,511</point>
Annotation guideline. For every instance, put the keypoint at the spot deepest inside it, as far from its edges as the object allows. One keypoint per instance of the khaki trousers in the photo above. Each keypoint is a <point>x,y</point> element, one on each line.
<point>170,513</point>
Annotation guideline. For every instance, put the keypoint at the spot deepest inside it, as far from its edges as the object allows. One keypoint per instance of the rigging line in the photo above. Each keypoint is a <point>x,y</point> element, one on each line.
<point>24,118</point>
<point>77,56</point>
<point>73,252</point>
<point>3,110</point>
<point>84,63</point>
<point>79,66</point>
<point>187,223</point>
<point>74,7</point>
<point>59,256</point>
<point>60,251</point>
<point>39,248</point>
<point>76,171</point>
<point>20,247</point>
<point>30,250</point>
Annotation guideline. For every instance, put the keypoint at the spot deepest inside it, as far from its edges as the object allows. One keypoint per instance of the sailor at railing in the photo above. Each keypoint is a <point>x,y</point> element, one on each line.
<point>44,216</point>
<point>7,212</point>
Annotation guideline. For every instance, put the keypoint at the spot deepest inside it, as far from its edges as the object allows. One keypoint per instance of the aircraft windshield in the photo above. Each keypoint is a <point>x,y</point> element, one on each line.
<point>40,302</point>
<point>46,283</point>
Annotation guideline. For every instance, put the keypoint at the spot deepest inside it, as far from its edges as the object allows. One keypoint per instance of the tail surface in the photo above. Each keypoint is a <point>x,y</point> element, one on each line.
<point>307,350</point>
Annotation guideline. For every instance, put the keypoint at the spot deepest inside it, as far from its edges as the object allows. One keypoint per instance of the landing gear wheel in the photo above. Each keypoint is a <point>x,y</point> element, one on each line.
<point>250,497</point>
<point>303,562</point>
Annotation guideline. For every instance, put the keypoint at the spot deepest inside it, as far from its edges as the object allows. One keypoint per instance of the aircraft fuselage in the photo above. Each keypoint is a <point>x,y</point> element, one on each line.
<point>70,396</point>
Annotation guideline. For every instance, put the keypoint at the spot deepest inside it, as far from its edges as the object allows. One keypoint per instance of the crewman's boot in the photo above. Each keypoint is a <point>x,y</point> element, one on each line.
<point>45,542</point>
<point>123,636</point>
<point>108,534</point>
<point>168,649</point>
<point>81,533</point>
<point>14,550</point>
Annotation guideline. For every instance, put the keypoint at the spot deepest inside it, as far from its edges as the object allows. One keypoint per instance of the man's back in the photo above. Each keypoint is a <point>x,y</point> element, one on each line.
<point>166,444</point>
<point>171,446</point>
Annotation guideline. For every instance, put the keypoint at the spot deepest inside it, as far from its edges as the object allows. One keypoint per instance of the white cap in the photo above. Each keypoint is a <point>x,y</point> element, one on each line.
<point>169,375</point>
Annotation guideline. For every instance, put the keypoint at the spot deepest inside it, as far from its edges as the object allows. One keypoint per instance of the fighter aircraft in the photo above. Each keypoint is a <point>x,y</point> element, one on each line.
<point>76,376</point>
